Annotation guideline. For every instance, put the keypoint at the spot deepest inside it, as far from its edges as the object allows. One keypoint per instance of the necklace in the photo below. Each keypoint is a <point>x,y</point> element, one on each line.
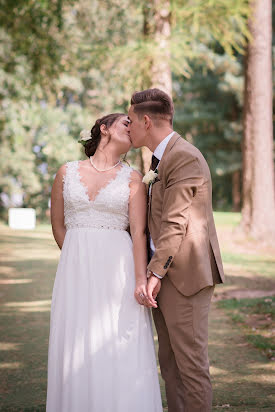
<point>103,170</point>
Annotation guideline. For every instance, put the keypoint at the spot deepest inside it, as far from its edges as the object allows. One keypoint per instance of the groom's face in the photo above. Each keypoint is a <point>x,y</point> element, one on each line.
<point>137,128</point>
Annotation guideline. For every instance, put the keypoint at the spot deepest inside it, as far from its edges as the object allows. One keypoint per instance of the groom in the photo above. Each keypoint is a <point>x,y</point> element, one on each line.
<point>185,257</point>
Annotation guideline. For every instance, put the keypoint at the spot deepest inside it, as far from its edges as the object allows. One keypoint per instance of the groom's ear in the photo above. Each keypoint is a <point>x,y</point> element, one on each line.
<point>147,121</point>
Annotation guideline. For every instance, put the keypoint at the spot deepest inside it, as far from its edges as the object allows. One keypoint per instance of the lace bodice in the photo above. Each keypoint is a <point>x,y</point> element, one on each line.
<point>108,210</point>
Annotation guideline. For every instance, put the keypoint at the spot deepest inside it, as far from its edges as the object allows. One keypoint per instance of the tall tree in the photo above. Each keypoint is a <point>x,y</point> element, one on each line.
<point>175,30</point>
<point>157,29</point>
<point>157,16</point>
<point>258,213</point>
<point>71,56</point>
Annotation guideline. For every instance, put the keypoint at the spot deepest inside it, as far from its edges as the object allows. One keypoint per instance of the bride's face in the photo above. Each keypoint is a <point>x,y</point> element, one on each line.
<point>119,132</point>
<point>136,128</point>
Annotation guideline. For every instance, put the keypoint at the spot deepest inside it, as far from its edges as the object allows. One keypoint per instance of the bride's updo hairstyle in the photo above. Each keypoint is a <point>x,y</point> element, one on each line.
<point>92,144</point>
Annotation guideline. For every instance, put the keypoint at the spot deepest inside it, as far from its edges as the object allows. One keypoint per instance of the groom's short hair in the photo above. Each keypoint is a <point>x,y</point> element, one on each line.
<point>153,102</point>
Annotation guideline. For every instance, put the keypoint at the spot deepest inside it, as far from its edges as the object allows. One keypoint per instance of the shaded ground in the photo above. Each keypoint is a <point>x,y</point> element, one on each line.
<point>242,375</point>
<point>28,264</point>
<point>243,378</point>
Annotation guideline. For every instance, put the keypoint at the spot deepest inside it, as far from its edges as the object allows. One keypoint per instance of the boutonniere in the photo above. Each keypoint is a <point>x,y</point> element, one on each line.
<point>150,177</point>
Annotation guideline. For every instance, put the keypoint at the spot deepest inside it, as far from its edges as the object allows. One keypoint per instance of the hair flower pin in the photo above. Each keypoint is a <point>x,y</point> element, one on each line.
<point>150,177</point>
<point>84,136</point>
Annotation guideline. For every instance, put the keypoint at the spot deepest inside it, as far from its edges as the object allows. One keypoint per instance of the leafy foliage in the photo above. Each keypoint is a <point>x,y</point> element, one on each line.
<point>209,115</point>
<point>65,63</point>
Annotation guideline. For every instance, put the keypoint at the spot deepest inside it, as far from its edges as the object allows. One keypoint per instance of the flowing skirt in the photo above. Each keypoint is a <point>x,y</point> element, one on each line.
<point>101,348</point>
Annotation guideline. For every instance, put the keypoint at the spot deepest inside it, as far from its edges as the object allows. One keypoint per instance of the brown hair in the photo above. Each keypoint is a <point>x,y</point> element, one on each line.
<point>92,144</point>
<point>154,102</point>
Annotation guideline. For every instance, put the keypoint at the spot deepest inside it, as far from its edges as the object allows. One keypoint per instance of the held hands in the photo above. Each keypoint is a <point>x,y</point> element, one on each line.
<point>141,292</point>
<point>146,294</point>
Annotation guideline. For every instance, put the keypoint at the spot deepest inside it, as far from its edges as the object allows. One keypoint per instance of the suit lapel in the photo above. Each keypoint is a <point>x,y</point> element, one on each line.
<point>171,143</point>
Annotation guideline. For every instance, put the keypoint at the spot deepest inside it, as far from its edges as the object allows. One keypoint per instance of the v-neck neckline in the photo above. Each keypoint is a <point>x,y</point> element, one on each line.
<point>85,187</point>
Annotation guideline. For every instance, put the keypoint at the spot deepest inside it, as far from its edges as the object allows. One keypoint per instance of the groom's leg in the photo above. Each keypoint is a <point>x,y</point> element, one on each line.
<point>186,318</point>
<point>168,366</point>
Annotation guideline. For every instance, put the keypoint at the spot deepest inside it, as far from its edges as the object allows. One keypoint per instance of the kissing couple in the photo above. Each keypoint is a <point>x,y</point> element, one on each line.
<point>104,214</point>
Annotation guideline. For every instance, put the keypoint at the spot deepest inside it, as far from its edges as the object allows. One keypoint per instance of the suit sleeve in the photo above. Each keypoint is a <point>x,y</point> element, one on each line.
<point>183,177</point>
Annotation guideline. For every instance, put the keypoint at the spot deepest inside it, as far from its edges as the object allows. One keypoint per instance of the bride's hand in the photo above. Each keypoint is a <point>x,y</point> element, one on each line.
<point>141,293</point>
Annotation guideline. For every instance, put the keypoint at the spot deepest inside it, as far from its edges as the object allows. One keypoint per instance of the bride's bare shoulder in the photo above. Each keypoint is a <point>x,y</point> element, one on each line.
<point>136,184</point>
<point>136,176</point>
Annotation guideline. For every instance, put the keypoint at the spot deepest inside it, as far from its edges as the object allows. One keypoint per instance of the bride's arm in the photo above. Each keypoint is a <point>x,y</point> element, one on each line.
<point>137,219</point>
<point>57,207</point>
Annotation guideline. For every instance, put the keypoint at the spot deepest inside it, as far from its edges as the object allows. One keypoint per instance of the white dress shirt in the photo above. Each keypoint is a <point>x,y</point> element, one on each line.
<point>159,150</point>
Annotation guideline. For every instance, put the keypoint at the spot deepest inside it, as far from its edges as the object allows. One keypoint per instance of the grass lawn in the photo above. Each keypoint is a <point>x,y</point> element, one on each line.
<point>240,336</point>
<point>257,317</point>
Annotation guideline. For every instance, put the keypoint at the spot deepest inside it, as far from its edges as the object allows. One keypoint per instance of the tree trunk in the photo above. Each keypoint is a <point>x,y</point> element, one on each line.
<point>236,190</point>
<point>258,213</point>
<point>157,28</point>
<point>161,71</point>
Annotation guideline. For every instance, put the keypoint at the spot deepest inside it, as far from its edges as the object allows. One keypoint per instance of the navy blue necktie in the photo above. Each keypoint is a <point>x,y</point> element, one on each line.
<point>154,162</point>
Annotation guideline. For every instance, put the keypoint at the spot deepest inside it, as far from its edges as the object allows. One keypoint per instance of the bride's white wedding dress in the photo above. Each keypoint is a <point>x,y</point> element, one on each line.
<point>101,351</point>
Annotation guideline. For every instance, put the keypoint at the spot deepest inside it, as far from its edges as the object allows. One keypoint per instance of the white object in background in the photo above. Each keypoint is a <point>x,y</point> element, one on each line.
<point>22,218</point>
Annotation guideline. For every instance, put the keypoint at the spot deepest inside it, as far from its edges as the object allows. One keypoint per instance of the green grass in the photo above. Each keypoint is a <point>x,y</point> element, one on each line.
<point>257,317</point>
<point>264,305</point>
<point>263,265</point>
<point>239,355</point>
<point>227,218</point>
<point>242,377</point>
<point>28,265</point>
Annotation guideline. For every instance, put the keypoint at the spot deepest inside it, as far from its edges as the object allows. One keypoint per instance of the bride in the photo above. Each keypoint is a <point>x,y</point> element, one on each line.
<point>101,349</point>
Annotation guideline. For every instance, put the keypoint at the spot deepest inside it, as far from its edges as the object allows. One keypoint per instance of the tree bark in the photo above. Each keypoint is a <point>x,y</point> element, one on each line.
<point>258,212</point>
<point>161,71</point>
<point>157,29</point>
<point>236,190</point>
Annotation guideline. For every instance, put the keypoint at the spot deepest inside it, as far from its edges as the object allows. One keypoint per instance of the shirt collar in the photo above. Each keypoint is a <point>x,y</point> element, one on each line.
<point>159,150</point>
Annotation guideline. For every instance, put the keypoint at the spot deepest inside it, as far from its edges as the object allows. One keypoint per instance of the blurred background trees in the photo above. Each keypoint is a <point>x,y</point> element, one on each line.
<point>66,62</point>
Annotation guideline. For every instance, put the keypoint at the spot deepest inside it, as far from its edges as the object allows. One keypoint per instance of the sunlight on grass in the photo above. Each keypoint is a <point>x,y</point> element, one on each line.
<point>264,265</point>
<point>35,306</point>
<point>214,370</point>
<point>14,281</point>
<point>10,365</point>
<point>227,218</point>
<point>28,304</point>
<point>268,366</point>
<point>29,265</point>
<point>7,270</point>
<point>35,255</point>
<point>9,346</point>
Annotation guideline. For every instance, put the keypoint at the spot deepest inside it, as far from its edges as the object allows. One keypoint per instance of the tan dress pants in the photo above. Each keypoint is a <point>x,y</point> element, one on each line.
<point>182,326</point>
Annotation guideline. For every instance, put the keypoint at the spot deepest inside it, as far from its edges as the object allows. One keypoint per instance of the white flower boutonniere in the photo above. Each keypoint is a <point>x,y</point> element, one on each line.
<point>150,177</point>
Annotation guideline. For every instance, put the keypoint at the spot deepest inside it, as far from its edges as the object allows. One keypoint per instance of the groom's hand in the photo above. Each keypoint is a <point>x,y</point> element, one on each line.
<point>153,288</point>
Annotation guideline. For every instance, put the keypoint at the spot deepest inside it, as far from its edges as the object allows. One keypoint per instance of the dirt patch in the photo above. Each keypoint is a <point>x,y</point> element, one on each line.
<point>259,322</point>
<point>242,294</point>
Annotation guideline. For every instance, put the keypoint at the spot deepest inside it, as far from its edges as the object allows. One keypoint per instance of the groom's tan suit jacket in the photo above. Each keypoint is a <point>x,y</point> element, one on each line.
<point>180,220</point>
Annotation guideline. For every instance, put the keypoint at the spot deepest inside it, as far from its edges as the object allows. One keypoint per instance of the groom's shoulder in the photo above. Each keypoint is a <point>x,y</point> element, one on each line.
<point>184,155</point>
<point>185,150</point>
